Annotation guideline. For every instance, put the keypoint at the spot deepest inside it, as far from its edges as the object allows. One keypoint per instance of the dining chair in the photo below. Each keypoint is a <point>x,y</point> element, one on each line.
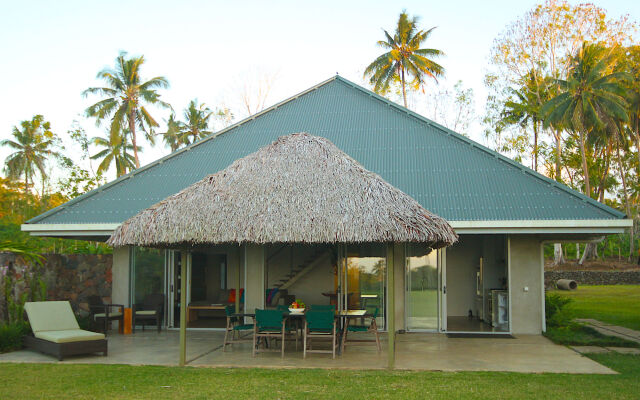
<point>322,307</point>
<point>269,324</point>
<point>371,328</point>
<point>234,328</point>
<point>320,324</point>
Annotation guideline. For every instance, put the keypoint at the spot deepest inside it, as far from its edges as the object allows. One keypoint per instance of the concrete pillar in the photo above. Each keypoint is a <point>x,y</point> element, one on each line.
<point>120,275</point>
<point>526,264</point>
<point>253,277</point>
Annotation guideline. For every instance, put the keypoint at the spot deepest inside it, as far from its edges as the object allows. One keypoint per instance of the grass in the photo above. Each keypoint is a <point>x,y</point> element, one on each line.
<point>614,304</point>
<point>580,335</point>
<point>28,381</point>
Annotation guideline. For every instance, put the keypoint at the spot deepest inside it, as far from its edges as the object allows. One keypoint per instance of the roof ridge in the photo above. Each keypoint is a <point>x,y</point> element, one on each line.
<point>491,152</point>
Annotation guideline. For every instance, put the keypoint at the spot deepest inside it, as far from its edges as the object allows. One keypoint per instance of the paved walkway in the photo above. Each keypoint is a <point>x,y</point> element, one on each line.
<point>612,330</point>
<point>432,352</point>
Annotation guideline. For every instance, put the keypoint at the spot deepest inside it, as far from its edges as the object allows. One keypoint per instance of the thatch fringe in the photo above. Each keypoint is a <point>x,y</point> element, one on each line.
<point>299,189</point>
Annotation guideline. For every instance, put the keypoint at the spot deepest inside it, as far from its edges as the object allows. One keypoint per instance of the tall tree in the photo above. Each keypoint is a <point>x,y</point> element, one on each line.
<point>405,60</point>
<point>125,95</point>
<point>591,98</point>
<point>32,144</point>
<point>115,151</point>
<point>196,123</point>
<point>171,136</point>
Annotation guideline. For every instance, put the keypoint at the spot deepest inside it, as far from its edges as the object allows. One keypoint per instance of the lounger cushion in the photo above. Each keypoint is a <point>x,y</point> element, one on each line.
<point>50,316</point>
<point>145,312</point>
<point>68,336</point>
<point>102,315</point>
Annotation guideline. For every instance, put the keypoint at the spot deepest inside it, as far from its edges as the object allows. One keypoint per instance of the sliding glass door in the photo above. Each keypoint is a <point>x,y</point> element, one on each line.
<point>423,282</point>
<point>362,283</point>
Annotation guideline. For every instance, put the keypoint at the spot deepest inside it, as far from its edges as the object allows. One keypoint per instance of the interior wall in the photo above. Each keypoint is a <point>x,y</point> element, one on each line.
<point>527,263</point>
<point>462,263</point>
<point>309,287</point>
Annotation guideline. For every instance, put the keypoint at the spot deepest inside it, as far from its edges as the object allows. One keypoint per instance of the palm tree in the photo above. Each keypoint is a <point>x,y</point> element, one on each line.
<point>32,144</point>
<point>125,94</point>
<point>116,150</point>
<point>172,136</point>
<point>405,59</point>
<point>196,125</point>
<point>523,109</point>
<point>591,98</point>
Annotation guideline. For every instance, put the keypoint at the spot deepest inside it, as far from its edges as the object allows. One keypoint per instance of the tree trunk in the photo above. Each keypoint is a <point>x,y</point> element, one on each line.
<point>589,253</point>
<point>558,256</point>
<point>558,156</point>
<point>132,128</point>
<point>585,167</point>
<point>626,199</point>
<point>577,251</point>
<point>535,145</point>
<point>404,92</point>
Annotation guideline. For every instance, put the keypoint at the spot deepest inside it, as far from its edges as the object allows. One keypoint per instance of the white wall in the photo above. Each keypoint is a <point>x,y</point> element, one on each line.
<point>526,266</point>
<point>120,276</point>
<point>310,286</point>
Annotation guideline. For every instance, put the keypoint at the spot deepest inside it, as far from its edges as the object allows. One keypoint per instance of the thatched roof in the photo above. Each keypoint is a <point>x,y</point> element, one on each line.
<point>301,188</point>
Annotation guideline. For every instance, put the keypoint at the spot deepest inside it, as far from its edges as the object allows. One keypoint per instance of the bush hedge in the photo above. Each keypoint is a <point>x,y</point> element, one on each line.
<point>11,335</point>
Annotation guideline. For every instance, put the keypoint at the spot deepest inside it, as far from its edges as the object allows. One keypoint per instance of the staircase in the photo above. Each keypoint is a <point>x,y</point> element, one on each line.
<point>321,255</point>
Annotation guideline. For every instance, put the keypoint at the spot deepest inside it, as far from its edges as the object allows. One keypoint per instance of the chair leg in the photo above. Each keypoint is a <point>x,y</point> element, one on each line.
<point>333,342</point>
<point>344,339</point>
<point>224,344</point>
<point>282,351</point>
<point>159,322</point>
<point>304,344</point>
<point>374,325</point>
<point>255,345</point>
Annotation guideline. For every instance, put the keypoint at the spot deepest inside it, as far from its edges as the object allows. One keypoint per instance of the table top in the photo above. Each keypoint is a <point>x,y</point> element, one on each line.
<point>353,313</point>
<point>207,307</point>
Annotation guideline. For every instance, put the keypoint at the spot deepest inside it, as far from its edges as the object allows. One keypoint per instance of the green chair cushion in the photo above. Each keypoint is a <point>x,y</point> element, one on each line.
<point>242,327</point>
<point>68,336</point>
<point>103,315</point>
<point>357,328</point>
<point>50,316</point>
<point>328,331</point>
<point>146,312</point>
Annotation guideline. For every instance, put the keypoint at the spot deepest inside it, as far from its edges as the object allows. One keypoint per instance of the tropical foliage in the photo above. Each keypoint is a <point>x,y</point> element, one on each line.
<point>405,61</point>
<point>563,94</point>
<point>125,96</point>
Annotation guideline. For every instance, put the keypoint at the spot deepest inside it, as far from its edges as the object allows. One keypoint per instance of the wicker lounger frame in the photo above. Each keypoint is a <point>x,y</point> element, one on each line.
<point>62,350</point>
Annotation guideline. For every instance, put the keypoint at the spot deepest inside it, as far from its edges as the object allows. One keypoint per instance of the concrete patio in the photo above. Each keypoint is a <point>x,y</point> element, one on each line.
<point>434,352</point>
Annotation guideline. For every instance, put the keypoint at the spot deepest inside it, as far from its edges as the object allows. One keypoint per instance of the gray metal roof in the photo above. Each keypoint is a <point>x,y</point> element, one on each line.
<point>447,173</point>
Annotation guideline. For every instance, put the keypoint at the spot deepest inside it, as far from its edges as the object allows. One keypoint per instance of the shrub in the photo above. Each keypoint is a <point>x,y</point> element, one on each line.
<point>11,335</point>
<point>555,310</point>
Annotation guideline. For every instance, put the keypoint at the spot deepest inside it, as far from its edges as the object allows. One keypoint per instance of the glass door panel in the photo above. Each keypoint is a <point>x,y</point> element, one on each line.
<point>365,280</point>
<point>422,287</point>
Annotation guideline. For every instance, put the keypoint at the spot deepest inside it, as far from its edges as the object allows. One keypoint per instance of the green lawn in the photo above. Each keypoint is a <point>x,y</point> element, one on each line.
<point>615,304</point>
<point>28,381</point>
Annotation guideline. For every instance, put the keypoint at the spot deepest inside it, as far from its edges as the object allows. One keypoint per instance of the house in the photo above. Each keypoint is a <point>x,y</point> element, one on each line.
<point>489,282</point>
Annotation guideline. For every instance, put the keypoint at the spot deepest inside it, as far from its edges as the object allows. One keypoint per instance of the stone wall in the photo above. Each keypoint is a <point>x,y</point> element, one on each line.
<point>593,277</point>
<point>73,277</point>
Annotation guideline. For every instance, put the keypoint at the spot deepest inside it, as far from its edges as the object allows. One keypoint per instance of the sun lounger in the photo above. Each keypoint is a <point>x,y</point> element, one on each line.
<point>56,331</point>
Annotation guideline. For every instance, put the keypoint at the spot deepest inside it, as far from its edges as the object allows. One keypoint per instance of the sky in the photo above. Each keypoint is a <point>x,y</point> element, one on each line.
<point>52,50</point>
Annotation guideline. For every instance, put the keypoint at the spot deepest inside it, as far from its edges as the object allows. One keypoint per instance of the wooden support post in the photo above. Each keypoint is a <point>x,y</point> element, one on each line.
<point>391,310</point>
<point>183,306</point>
<point>241,255</point>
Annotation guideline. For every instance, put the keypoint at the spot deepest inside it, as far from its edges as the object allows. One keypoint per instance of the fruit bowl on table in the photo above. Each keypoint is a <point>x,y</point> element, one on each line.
<point>296,310</point>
